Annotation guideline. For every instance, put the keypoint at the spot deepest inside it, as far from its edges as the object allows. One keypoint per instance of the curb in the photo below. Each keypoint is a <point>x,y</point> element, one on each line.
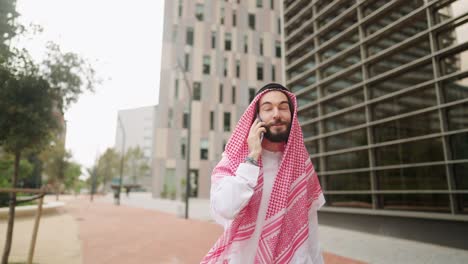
<point>30,210</point>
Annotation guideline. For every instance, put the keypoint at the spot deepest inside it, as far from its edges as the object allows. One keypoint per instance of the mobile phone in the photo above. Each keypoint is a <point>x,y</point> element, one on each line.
<point>261,134</point>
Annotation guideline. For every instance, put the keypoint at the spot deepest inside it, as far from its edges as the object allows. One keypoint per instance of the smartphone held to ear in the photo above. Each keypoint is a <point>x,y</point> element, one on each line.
<point>260,120</point>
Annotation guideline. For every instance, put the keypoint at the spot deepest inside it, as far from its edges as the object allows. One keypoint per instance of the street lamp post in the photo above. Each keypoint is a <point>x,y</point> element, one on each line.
<point>189,126</point>
<point>121,160</point>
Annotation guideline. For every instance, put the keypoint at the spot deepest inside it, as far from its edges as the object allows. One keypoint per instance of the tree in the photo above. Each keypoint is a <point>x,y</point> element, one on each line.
<point>6,172</point>
<point>107,166</point>
<point>72,174</point>
<point>136,164</point>
<point>68,75</point>
<point>8,28</point>
<point>56,160</point>
<point>27,122</point>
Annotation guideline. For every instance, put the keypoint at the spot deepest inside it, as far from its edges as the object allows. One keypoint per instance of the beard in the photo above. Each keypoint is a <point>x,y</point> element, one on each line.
<point>277,137</point>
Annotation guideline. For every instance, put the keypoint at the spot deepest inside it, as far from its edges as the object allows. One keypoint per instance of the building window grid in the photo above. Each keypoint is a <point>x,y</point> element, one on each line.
<point>368,117</point>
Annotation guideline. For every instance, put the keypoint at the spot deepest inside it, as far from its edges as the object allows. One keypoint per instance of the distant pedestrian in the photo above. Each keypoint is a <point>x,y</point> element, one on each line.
<point>265,191</point>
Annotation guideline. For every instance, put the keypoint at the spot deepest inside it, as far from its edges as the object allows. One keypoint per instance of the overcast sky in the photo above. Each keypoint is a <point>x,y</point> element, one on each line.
<point>123,41</point>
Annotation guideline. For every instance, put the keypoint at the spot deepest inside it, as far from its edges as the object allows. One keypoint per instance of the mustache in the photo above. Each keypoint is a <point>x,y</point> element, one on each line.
<point>276,123</point>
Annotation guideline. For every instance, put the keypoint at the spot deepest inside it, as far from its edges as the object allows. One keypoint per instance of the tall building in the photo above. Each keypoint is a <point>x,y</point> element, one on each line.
<point>138,124</point>
<point>227,50</point>
<point>382,88</point>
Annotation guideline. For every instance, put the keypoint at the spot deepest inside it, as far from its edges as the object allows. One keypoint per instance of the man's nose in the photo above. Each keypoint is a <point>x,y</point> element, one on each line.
<point>275,114</point>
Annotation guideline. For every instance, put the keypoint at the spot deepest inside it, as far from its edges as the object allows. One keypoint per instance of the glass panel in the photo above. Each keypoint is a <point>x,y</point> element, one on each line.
<point>413,126</point>
<point>351,160</point>
<point>344,101</point>
<point>417,202</point>
<point>386,18</point>
<point>408,102</point>
<point>306,98</point>
<point>335,11</point>
<point>316,163</point>
<point>462,203</point>
<point>307,114</point>
<point>312,147</point>
<point>399,57</point>
<point>310,130</point>
<point>454,63</point>
<point>351,139</point>
<point>455,89</point>
<point>301,69</point>
<point>460,173</point>
<point>341,64</point>
<point>417,178</point>
<point>402,80</point>
<point>459,146</point>
<point>399,34</point>
<point>457,117</point>
<point>343,82</point>
<point>346,120</point>
<point>411,152</point>
<point>349,200</point>
<point>349,181</point>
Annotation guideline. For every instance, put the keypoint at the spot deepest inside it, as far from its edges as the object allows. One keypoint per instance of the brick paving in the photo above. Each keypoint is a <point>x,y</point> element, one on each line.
<point>112,234</point>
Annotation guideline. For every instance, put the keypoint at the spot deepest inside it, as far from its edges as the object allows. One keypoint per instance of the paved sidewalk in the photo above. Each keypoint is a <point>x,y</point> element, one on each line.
<point>57,240</point>
<point>352,244</point>
<point>123,234</point>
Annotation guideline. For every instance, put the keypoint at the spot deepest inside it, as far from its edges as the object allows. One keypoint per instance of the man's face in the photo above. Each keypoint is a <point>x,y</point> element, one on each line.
<point>274,111</point>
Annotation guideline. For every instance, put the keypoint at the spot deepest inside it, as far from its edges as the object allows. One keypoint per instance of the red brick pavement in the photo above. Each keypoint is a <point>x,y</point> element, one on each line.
<point>123,235</point>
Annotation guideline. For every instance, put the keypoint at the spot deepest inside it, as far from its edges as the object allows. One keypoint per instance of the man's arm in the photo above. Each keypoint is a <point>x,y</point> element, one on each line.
<point>230,194</point>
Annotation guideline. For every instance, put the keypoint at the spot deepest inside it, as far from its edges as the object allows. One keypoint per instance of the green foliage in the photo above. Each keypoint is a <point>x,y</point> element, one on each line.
<point>136,164</point>
<point>8,28</point>
<point>27,117</point>
<point>72,174</point>
<point>6,170</point>
<point>107,166</point>
<point>68,75</point>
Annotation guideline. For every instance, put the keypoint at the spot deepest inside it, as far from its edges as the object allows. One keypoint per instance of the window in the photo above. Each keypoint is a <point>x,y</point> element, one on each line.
<point>259,3</point>
<point>196,91</point>
<point>206,64</point>
<point>272,4</point>
<point>222,16</point>
<point>213,40</point>
<point>237,68</point>
<point>174,34</point>
<point>227,41</point>
<point>180,8</point>
<point>170,118</point>
<point>279,25</point>
<point>185,120</point>
<point>187,62</point>
<point>273,72</point>
<point>260,71</point>
<point>246,44</point>
<point>251,94</point>
<point>278,49</point>
<point>252,21</point>
<point>176,89</point>
<point>204,149</point>
<point>199,12</point>
<point>182,148</point>
<point>189,40</point>
<point>234,18</point>
<point>261,46</point>
<point>212,120</point>
<point>221,89</point>
<point>193,183</point>
<point>225,67</point>
<point>233,94</point>
<point>227,121</point>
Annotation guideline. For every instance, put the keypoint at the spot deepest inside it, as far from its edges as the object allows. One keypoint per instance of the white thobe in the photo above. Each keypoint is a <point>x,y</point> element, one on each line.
<point>231,194</point>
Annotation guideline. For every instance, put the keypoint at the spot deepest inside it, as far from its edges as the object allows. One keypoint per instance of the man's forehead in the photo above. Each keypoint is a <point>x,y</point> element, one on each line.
<point>273,97</point>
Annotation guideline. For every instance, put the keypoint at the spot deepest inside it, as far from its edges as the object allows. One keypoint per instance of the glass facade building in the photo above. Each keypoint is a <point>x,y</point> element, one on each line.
<point>382,88</point>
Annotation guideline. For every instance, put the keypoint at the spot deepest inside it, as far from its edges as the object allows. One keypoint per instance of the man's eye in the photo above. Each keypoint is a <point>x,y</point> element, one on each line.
<point>267,109</point>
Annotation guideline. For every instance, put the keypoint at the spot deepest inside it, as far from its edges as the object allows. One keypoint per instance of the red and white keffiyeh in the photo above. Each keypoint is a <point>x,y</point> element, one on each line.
<point>295,190</point>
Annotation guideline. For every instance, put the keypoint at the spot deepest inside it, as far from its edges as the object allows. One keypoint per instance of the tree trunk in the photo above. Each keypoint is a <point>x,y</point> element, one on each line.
<point>11,215</point>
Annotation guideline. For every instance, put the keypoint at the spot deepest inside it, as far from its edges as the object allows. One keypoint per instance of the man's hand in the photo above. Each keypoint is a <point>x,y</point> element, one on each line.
<point>255,145</point>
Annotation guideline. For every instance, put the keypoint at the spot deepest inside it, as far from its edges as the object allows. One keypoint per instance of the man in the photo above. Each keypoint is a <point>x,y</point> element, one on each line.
<point>265,191</point>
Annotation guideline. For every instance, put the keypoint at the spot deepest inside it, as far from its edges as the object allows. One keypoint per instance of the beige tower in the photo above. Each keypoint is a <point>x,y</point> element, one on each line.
<point>228,50</point>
